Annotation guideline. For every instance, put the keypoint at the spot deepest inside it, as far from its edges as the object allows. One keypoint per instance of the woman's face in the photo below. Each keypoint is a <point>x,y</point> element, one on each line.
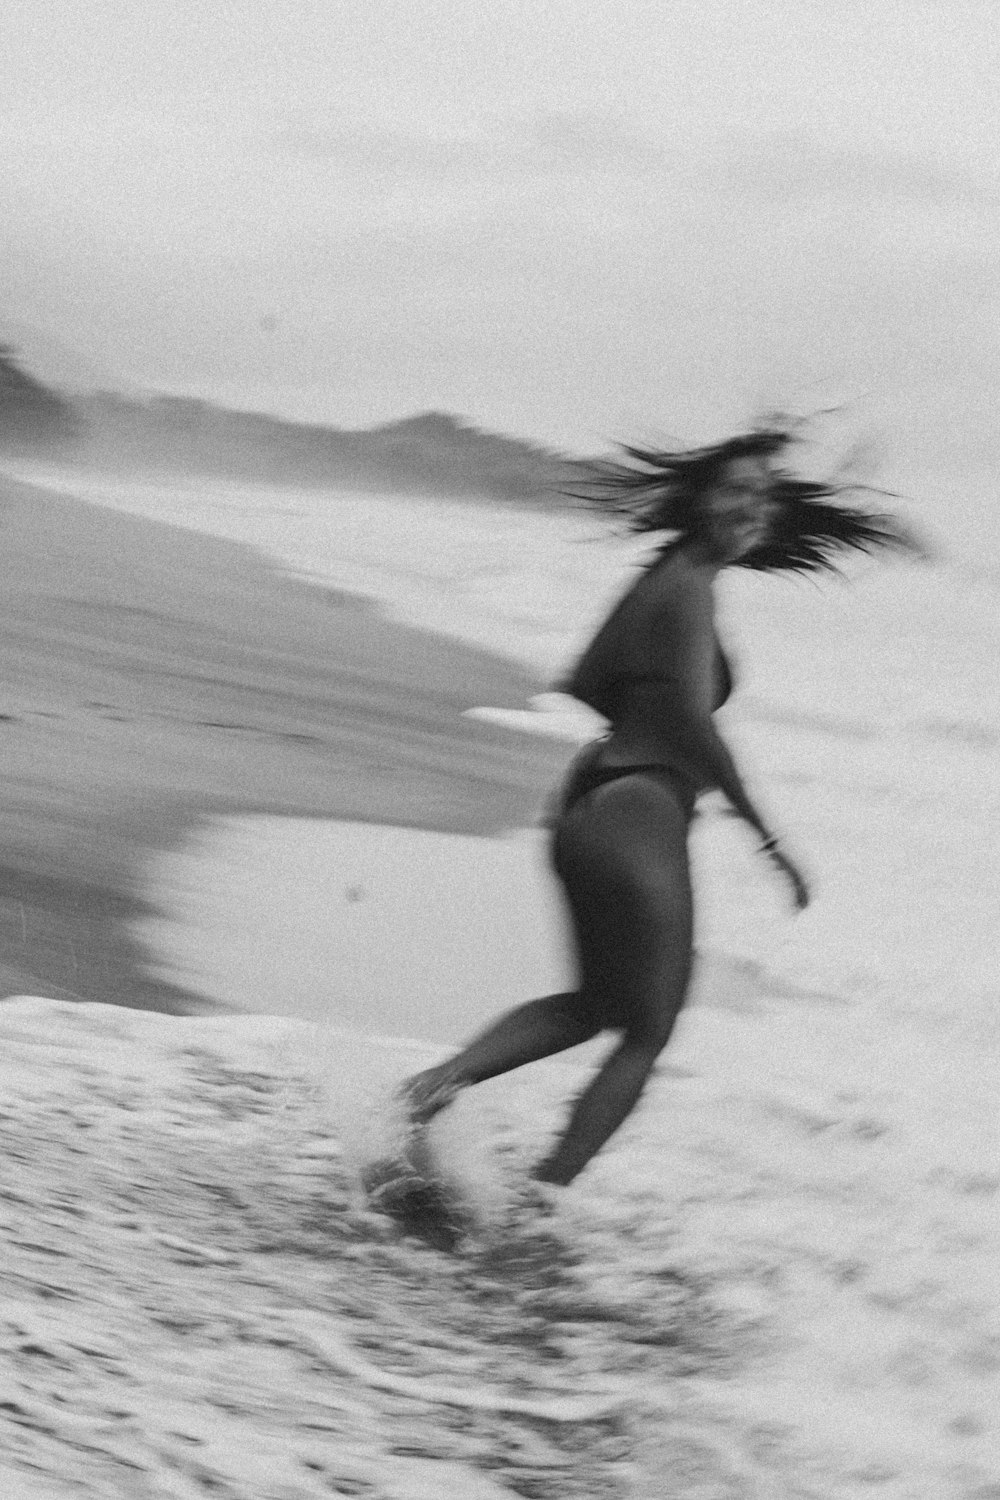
<point>739,509</point>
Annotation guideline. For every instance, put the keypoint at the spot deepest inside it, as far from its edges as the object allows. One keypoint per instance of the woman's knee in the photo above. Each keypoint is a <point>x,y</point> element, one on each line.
<point>650,1034</point>
<point>651,1013</point>
<point>588,1013</point>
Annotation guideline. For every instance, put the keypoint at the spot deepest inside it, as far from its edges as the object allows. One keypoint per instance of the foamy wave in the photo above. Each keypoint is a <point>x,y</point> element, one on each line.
<point>776,1279</point>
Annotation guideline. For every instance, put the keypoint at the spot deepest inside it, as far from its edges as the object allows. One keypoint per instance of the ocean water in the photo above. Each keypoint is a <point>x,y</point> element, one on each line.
<point>789,1251</point>
<point>751,1295</point>
<point>867,718</point>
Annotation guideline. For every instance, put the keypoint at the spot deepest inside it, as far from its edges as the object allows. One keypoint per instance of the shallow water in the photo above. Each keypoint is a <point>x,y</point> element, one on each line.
<point>413,934</point>
<point>867,720</point>
<point>775,1282</point>
<point>790,1248</point>
<point>407,932</point>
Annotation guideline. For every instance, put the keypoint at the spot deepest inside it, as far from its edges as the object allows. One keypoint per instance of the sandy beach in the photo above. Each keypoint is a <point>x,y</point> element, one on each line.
<point>155,676</point>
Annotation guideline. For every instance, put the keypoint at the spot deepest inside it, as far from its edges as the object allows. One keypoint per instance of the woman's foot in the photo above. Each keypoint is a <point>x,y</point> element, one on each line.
<point>419,1203</point>
<point>534,1202</point>
<point>425,1094</point>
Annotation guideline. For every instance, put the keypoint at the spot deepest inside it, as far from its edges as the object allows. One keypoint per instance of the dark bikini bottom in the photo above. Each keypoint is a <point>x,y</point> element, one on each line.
<point>586,778</point>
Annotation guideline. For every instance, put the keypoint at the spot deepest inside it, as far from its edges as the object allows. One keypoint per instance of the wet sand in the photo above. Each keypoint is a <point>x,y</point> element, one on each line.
<point>155,677</point>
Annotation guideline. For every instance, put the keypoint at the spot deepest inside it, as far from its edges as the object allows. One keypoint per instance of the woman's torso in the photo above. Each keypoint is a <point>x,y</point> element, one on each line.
<point>627,679</point>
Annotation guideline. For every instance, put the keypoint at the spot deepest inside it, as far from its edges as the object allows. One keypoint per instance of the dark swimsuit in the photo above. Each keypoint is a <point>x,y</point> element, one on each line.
<point>588,778</point>
<point>585,776</point>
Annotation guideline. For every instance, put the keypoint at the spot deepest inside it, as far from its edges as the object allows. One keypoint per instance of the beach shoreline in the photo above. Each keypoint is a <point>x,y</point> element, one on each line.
<point>790,1240</point>
<point>157,677</point>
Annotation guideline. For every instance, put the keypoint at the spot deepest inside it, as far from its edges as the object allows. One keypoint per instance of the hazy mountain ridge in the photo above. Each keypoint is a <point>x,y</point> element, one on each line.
<point>433,452</point>
<point>429,453</point>
<point>32,417</point>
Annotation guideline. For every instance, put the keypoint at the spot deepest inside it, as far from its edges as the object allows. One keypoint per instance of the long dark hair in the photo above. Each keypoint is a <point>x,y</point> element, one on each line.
<point>662,490</point>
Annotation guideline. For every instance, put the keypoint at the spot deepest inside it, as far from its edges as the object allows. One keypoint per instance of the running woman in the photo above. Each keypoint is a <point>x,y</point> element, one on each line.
<point>619,840</point>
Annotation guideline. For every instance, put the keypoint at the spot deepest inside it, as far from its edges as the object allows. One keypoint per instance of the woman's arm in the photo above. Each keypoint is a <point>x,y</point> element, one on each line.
<point>701,751</point>
<point>683,637</point>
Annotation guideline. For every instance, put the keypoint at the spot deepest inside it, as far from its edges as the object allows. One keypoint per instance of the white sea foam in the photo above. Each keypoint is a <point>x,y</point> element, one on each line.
<point>760,1289</point>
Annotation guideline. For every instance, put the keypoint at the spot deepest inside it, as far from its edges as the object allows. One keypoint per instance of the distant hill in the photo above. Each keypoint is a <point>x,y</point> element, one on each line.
<point>33,418</point>
<point>431,453</point>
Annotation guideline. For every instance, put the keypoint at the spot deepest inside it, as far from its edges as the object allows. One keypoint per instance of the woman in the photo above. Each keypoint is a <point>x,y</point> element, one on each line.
<point>656,671</point>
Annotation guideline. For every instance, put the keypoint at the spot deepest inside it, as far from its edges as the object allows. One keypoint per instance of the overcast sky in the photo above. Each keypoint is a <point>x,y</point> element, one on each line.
<point>576,220</point>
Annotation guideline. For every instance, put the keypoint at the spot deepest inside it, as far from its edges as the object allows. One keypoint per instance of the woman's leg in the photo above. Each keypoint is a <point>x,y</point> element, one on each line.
<point>606,1102</point>
<point>633,874</point>
<point>622,858</point>
<point>526,1034</point>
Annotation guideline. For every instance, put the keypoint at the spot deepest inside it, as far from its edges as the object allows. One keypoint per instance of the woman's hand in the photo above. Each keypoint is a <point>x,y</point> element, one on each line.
<point>794,876</point>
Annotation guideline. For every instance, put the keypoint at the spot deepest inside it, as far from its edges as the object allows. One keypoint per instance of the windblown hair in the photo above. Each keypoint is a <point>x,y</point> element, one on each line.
<point>662,490</point>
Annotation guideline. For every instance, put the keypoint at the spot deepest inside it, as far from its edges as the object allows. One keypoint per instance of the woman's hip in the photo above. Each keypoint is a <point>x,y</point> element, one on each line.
<point>626,830</point>
<point>588,774</point>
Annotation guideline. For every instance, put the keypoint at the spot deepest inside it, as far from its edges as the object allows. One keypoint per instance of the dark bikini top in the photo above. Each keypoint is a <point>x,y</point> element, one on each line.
<point>723,681</point>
